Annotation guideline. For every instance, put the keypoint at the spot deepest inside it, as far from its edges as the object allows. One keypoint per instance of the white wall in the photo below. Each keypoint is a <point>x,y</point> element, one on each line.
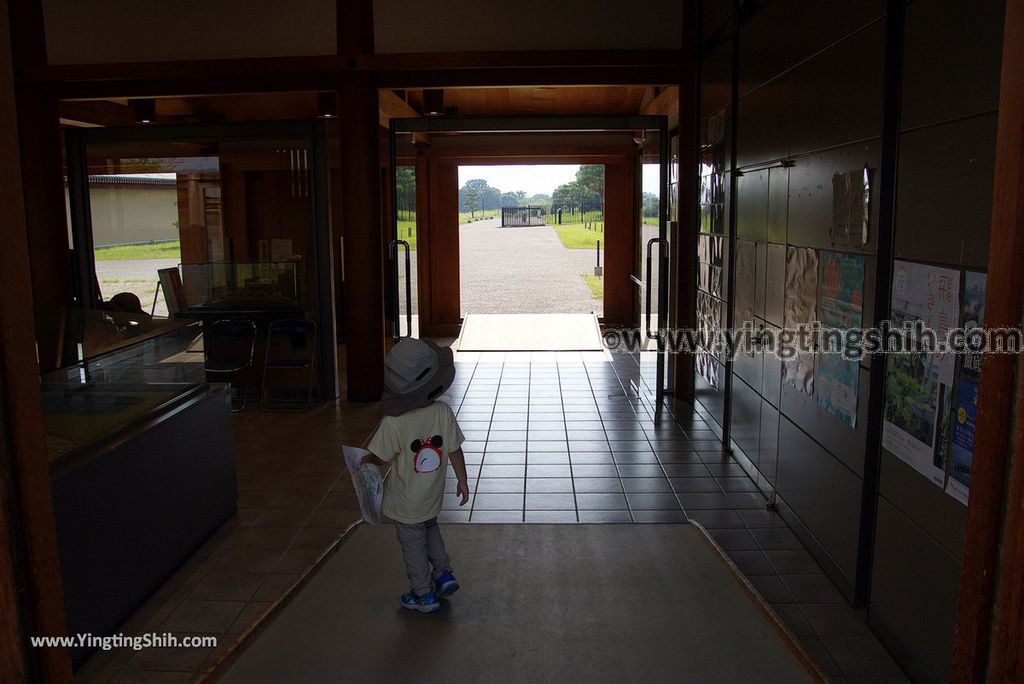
<point>98,31</point>
<point>125,215</point>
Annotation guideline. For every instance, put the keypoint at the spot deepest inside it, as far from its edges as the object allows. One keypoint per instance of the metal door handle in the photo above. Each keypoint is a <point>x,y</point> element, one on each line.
<point>396,325</point>
<point>650,334</point>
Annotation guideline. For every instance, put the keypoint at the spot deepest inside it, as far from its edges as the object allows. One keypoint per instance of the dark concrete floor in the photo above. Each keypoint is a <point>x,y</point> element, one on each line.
<point>538,603</point>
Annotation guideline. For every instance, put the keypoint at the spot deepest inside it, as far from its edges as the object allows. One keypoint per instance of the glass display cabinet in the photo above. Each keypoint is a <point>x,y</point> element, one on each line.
<point>141,455</point>
<point>264,287</point>
<point>135,368</point>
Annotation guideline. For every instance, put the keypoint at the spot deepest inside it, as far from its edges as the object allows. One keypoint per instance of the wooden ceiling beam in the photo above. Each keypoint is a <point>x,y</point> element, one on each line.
<point>393,107</point>
<point>101,113</point>
<point>486,69</point>
<point>665,104</point>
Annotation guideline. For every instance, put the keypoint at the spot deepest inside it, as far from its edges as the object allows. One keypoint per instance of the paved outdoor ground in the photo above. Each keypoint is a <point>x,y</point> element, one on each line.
<point>133,275</point>
<point>522,270</point>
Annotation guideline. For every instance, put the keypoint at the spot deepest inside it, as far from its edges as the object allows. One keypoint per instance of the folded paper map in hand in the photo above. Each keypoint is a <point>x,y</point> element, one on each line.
<point>368,482</point>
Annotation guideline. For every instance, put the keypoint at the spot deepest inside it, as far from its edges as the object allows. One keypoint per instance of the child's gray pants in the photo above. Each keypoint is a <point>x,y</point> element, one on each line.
<point>422,547</point>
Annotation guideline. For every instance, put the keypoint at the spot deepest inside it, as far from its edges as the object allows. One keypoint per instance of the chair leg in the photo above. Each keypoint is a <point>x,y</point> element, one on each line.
<point>233,408</point>
<point>264,403</point>
<point>245,392</point>
<point>312,378</point>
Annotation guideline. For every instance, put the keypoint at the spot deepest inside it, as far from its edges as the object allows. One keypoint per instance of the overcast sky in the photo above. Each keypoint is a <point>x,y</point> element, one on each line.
<point>537,178</point>
<point>532,179</point>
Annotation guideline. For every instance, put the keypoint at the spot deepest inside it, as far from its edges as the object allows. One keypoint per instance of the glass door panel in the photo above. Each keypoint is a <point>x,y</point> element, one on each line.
<point>652,268</point>
<point>402,250</point>
<point>205,222</point>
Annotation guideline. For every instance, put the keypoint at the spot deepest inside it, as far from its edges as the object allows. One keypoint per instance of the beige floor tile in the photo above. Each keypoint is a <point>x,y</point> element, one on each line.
<point>265,537</point>
<point>203,616</point>
<point>316,538</point>
<point>247,618</point>
<point>297,560</point>
<point>332,517</point>
<point>282,517</point>
<point>169,659</point>
<point>230,585</point>
<point>275,586</point>
<point>150,677</point>
<point>249,560</point>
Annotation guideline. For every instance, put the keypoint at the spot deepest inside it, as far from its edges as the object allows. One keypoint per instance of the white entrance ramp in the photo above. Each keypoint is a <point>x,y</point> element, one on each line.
<point>530,332</point>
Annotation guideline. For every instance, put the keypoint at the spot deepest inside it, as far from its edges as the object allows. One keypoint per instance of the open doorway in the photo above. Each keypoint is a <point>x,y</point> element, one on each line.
<point>467,263</point>
<point>531,239</point>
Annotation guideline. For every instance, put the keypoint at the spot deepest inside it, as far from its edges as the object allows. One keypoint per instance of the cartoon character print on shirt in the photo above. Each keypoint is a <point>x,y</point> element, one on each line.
<point>427,452</point>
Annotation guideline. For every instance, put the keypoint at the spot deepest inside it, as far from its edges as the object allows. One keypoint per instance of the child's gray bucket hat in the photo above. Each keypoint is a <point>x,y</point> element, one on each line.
<point>415,372</point>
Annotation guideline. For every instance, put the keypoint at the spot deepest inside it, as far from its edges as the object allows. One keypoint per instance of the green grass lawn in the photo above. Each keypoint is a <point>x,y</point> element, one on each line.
<point>407,232</point>
<point>575,236</point>
<point>467,217</point>
<point>596,285</point>
<point>154,250</point>
<point>651,220</point>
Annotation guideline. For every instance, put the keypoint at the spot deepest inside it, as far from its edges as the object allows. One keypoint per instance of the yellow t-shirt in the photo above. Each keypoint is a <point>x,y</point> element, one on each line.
<point>416,444</point>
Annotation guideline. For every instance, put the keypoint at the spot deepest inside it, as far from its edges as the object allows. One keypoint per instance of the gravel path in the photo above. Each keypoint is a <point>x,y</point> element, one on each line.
<point>522,270</point>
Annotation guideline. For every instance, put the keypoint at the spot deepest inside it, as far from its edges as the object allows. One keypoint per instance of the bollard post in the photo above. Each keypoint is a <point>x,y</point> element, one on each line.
<point>597,268</point>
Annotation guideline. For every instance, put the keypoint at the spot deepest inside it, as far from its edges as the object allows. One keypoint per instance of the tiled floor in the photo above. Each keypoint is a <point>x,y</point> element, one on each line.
<point>551,437</point>
<point>564,437</point>
<point>557,437</point>
<point>294,501</point>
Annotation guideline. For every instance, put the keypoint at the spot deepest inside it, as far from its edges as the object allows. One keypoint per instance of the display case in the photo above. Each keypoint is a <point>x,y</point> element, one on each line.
<point>263,286</point>
<point>142,460</point>
<point>129,369</point>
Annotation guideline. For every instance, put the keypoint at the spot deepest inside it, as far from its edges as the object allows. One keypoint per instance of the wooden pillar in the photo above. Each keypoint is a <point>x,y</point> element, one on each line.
<point>440,277</point>
<point>364,240</point>
<point>989,644</point>
<point>360,200</point>
<point>42,177</point>
<point>685,246</point>
<point>41,173</point>
<point>31,599</point>
<point>620,242</point>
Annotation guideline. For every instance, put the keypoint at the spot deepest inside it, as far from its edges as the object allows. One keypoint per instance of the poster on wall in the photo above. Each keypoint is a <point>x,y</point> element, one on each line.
<point>851,208</point>
<point>918,385</point>
<point>799,309</point>
<point>840,307</point>
<point>965,407</point>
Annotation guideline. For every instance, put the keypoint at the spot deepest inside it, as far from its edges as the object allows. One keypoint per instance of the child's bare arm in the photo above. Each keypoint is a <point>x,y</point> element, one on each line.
<point>372,458</point>
<point>458,461</point>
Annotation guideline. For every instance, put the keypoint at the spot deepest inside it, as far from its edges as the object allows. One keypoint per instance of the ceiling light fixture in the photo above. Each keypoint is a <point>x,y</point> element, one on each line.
<point>327,105</point>
<point>144,111</point>
<point>433,102</point>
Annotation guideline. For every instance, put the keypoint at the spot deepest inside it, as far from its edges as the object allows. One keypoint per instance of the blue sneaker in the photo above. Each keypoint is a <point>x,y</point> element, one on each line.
<point>427,603</point>
<point>446,584</point>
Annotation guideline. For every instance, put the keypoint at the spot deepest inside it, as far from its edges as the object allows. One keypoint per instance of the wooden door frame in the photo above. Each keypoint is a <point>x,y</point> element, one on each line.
<point>31,594</point>
<point>575,144</point>
<point>440,296</point>
<point>989,643</point>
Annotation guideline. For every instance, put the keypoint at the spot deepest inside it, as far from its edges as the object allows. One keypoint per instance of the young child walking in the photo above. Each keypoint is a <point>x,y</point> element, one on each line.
<point>418,438</point>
